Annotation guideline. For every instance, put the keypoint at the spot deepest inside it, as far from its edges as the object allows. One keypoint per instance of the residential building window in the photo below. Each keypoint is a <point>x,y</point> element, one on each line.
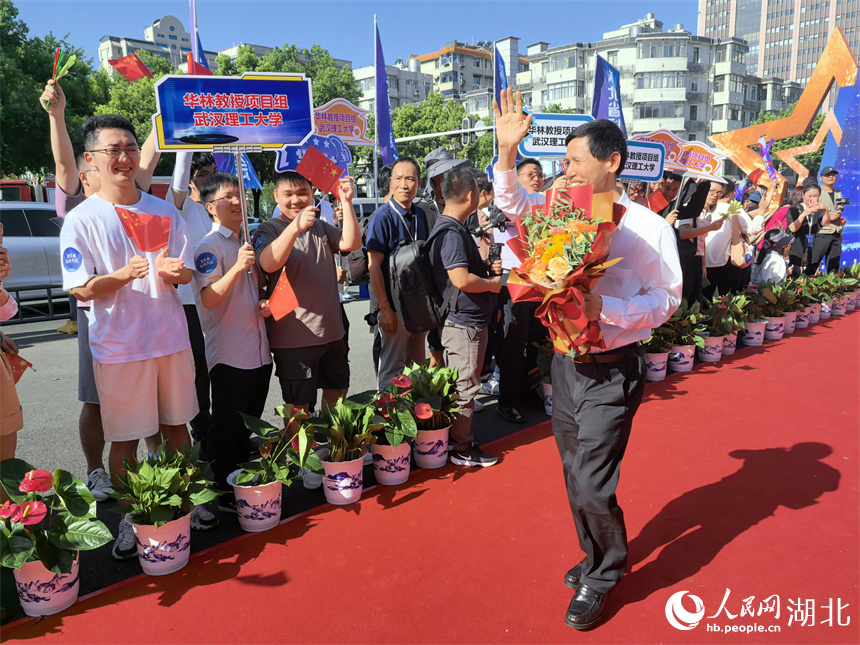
<point>172,37</point>
<point>476,62</point>
<point>694,113</point>
<point>612,57</point>
<point>659,110</point>
<point>718,113</point>
<point>476,80</point>
<point>720,84</point>
<point>691,137</point>
<point>695,54</point>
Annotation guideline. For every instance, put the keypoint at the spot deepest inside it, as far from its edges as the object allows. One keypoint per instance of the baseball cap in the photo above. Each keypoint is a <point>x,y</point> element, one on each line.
<point>827,170</point>
<point>755,197</point>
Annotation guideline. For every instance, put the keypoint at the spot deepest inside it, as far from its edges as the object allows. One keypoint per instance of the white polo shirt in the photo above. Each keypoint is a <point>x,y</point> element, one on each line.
<point>198,224</point>
<point>235,331</point>
<point>143,319</point>
<point>718,244</point>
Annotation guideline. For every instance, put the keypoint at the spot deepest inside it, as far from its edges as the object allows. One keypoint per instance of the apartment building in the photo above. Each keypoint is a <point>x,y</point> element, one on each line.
<point>406,84</point>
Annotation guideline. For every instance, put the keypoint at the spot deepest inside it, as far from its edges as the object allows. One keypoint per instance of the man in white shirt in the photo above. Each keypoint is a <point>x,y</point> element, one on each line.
<point>189,174</point>
<point>142,360</point>
<point>595,396</point>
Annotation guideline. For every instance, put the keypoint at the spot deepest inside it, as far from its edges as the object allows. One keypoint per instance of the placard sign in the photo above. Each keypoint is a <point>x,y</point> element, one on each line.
<point>547,134</point>
<point>686,157</point>
<point>331,146</point>
<point>342,118</point>
<point>263,109</point>
<point>644,161</point>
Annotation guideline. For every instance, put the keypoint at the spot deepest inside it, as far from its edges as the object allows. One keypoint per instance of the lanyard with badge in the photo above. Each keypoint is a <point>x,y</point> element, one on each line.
<point>393,205</point>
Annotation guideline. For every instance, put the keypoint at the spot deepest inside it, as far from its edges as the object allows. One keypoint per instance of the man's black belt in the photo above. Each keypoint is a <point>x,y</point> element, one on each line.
<point>611,356</point>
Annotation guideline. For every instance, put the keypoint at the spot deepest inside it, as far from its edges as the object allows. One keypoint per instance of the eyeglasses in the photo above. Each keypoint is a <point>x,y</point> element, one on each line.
<point>116,153</point>
<point>233,199</point>
<point>532,175</point>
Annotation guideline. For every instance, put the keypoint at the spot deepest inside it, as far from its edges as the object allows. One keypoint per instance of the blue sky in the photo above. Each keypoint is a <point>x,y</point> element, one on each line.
<point>346,28</point>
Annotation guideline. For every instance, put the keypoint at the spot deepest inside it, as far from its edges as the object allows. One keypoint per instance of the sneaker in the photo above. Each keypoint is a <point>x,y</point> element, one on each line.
<point>125,545</point>
<point>490,386</point>
<point>311,480</point>
<point>479,407</point>
<point>472,456</point>
<point>346,297</point>
<point>227,503</point>
<point>70,328</point>
<point>99,484</point>
<point>202,519</point>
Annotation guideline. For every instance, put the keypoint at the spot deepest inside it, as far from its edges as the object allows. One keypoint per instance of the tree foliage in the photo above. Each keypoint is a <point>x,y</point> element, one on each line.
<point>812,160</point>
<point>555,108</point>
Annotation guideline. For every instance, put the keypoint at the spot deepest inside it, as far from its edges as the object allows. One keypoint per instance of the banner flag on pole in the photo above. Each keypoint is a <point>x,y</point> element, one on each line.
<point>226,162</point>
<point>500,76</point>
<point>149,232</point>
<point>387,146</point>
<point>197,46</point>
<point>607,94</point>
<point>318,169</point>
<point>130,67</point>
<point>196,69</point>
<point>765,147</point>
<point>283,299</point>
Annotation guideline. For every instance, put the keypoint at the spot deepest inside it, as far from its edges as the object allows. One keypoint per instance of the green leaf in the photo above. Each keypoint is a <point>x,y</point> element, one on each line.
<point>407,423</point>
<point>76,497</point>
<point>361,400</point>
<point>394,439</point>
<point>203,497</point>
<point>313,462</point>
<point>11,475</point>
<point>162,514</point>
<point>17,547</point>
<point>81,535</point>
<point>259,427</point>
<point>55,559</point>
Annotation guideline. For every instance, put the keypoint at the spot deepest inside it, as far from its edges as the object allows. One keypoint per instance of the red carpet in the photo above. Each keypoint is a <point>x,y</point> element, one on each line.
<point>740,479</point>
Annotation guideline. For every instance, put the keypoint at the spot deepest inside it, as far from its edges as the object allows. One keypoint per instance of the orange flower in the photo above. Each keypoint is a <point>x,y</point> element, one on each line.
<point>558,268</point>
<point>538,271</point>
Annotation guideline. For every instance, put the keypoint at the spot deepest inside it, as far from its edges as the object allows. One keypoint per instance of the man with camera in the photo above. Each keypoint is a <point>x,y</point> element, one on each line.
<point>828,239</point>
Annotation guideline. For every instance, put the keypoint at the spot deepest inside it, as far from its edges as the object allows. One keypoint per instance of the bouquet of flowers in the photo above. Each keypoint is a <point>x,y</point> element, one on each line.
<point>563,247</point>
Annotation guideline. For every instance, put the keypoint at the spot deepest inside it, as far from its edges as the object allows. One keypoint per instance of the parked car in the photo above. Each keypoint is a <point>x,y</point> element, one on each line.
<point>31,234</point>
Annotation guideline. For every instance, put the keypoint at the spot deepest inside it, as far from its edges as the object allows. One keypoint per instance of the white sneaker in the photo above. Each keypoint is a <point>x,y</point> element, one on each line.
<point>125,545</point>
<point>479,407</point>
<point>202,519</point>
<point>99,484</point>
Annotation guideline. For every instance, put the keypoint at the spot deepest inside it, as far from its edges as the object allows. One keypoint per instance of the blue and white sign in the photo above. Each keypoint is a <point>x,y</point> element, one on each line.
<point>72,259</point>
<point>331,146</point>
<point>547,134</point>
<point>266,109</point>
<point>644,161</point>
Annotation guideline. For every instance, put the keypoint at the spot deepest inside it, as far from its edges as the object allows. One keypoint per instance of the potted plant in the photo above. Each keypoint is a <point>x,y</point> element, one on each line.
<point>718,325</point>
<point>684,328</point>
<point>774,298</point>
<point>734,313</point>
<point>392,452</point>
<point>257,485</point>
<point>48,519</point>
<point>434,398</point>
<point>838,286</point>
<point>754,320</point>
<point>852,274</point>
<point>820,288</point>
<point>657,354</point>
<point>802,305</point>
<point>545,354</point>
<point>161,492</point>
<point>349,426</point>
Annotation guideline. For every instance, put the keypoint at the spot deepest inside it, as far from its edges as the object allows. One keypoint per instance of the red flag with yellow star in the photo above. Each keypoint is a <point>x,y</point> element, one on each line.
<point>318,169</point>
<point>18,366</point>
<point>149,232</point>
<point>283,299</point>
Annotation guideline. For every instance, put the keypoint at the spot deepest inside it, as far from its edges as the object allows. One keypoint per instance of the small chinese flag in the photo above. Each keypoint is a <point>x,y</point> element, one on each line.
<point>18,366</point>
<point>130,67</point>
<point>196,69</point>
<point>149,232</point>
<point>657,202</point>
<point>318,169</point>
<point>755,176</point>
<point>283,299</point>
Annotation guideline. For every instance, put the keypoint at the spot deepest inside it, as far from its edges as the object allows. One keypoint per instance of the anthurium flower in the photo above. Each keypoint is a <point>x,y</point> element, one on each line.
<point>386,398</point>
<point>37,481</point>
<point>423,411</point>
<point>30,513</point>
<point>8,510</point>
<point>401,381</point>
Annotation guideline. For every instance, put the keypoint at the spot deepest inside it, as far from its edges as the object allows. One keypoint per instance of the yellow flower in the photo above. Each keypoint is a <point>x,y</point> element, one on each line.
<point>558,268</point>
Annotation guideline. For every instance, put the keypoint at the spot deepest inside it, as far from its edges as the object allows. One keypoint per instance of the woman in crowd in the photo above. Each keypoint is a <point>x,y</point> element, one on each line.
<point>804,219</point>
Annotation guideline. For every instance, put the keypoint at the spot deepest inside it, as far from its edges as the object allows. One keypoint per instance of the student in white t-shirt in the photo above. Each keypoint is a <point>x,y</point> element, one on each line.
<point>237,348</point>
<point>142,360</point>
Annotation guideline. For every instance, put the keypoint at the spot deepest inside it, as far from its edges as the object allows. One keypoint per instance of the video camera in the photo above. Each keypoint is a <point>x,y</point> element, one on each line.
<point>497,220</point>
<point>842,202</point>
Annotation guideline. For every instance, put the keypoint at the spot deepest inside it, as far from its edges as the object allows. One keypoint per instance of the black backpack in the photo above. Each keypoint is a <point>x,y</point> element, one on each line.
<point>416,299</point>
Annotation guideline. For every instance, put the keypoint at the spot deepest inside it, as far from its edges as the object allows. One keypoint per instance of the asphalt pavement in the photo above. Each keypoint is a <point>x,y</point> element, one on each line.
<point>50,440</point>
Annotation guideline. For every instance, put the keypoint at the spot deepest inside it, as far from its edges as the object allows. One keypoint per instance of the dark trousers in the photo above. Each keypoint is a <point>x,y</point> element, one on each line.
<point>516,356</point>
<point>200,423</point>
<point>592,414</point>
<point>825,245</point>
<point>233,391</point>
<point>726,279</point>
<point>691,270</point>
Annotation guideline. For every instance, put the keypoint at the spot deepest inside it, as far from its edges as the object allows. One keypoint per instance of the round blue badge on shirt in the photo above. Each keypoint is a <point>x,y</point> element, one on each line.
<point>206,263</point>
<point>258,243</point>
<point>72,259</point>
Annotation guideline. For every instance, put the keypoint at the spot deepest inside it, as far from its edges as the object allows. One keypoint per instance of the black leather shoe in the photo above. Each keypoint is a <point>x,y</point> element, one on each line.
<point>571,578</point>
<point>585,608</point>
<point>509,414</point>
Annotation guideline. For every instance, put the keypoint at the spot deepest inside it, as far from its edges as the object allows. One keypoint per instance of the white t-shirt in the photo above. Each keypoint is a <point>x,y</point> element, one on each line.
<point>772,269</point>
<point>143,319</point>
<point>718,244</point>
<point>197,224</point>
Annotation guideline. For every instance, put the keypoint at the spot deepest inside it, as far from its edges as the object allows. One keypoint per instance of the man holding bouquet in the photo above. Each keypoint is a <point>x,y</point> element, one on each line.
<point>596,394</point>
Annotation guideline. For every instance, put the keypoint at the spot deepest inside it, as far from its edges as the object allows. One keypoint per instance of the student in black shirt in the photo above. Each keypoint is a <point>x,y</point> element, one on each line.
<point>457,264</point>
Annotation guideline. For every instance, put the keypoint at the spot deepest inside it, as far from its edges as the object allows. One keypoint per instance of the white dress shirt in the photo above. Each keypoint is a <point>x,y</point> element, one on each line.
<point>718,244</point>
<point>643,289</point>
<point>515,202</point>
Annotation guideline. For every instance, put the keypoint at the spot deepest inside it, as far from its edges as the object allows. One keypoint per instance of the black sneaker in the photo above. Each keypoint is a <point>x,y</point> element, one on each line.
<point>472,456</point>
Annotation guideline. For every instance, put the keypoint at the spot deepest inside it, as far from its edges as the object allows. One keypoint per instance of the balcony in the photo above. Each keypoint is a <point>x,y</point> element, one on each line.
<point>678,94</point>
<point>730,67</point>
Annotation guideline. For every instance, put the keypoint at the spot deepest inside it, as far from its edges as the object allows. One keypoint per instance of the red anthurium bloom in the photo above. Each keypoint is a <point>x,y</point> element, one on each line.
<point>30,513</point>
<point>37,481</point>
<point>8,510</point>
<point>386,399</point>
<point>423,411</point>
<point>401,381</point>
<point>295,443</point>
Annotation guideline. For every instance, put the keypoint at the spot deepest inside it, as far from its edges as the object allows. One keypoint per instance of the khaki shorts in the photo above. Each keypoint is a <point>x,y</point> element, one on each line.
<point>11,414</point>
<point>137,397</point>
